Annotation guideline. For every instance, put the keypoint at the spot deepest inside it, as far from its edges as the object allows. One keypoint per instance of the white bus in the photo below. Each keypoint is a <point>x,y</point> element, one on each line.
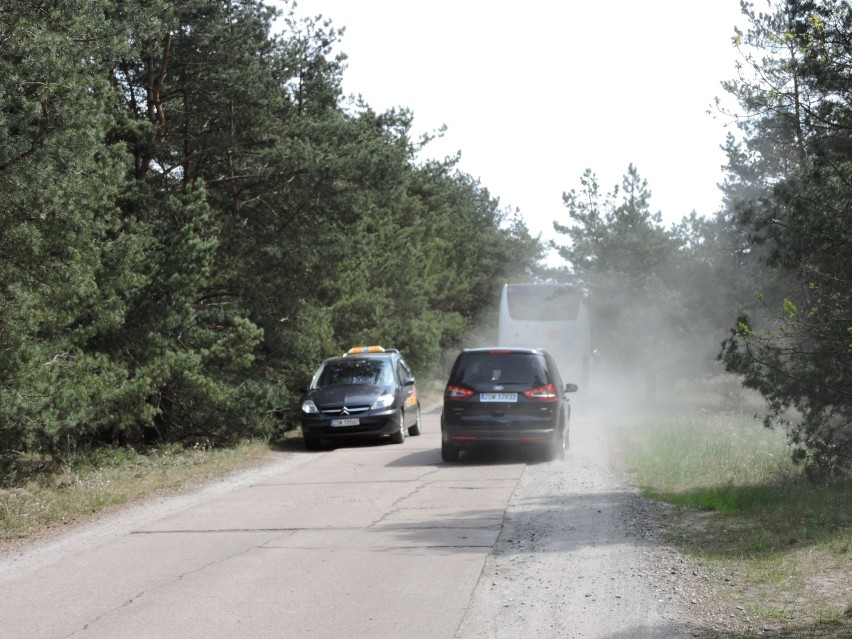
<point>549,316</point>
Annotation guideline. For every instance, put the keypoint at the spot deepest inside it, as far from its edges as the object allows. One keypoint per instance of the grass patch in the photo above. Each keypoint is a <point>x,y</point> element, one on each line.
<point>776,549</point>
<point>732,466</point>
<point>38,496</point>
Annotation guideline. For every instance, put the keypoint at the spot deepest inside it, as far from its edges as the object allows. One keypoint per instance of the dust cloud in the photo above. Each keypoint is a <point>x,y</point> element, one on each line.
<point>647,359</point>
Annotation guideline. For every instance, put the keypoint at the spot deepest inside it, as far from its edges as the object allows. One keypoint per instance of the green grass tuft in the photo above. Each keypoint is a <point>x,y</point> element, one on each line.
<point>743,508</point>
<point>41,495</point>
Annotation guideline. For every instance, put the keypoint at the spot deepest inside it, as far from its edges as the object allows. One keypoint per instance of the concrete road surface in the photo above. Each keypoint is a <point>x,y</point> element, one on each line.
<point>378,541</point>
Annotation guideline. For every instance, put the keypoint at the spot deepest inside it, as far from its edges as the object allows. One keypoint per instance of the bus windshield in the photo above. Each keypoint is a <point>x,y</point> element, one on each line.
<point>542,303</point>
<point>550,316</point>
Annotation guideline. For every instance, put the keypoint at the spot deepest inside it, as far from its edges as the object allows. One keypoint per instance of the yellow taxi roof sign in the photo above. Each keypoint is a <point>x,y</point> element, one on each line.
<point>356,350</point>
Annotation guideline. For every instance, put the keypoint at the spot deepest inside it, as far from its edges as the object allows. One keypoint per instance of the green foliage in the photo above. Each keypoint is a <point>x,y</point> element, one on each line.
<point>612,236</point>
<point>717,462</point>
<point>192,217</point>
<point>58,181</point>
<point>620,251</point>
<point>800,215</point>
<point>775,257</point>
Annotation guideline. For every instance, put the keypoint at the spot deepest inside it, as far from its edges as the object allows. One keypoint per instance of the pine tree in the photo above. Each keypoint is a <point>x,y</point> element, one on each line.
<point>797,122</point>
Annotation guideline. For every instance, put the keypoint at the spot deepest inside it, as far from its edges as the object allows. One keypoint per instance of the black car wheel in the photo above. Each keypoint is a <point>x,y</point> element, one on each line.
<point>399,436</point>
<point>414,431</point>
<point>449,453</point>
<point>558,445</point>
<point>311,442</point>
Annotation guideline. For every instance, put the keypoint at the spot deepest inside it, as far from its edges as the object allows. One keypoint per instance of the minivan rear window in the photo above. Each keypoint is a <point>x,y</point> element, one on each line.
<point>495,367</point>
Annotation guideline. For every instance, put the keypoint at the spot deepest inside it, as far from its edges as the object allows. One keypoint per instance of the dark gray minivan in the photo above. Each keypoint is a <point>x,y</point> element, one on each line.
<point>505,396</point>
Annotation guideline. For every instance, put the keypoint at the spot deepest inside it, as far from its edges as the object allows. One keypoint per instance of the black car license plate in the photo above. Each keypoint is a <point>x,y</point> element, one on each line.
<point>351,421</point>
<point>498,397</point>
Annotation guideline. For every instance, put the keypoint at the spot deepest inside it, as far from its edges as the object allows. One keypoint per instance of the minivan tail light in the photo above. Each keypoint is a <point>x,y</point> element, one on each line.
<point>543,393</point>
<point>456,393</point>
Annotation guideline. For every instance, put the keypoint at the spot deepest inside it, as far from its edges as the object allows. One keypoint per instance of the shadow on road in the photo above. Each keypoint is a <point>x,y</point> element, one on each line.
<point>483,457</point>
<point>558,524</point>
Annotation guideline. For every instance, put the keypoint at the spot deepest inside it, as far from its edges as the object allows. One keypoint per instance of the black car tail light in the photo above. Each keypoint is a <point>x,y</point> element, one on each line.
<point>543,394</point>
<point>456,393</point>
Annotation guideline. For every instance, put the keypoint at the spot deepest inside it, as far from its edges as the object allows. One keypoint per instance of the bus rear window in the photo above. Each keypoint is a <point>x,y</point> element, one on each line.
<point>539,303</point>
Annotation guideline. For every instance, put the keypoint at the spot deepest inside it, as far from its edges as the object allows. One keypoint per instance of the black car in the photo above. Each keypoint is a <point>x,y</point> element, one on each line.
<point>368,392</point>
<point>505,396</point>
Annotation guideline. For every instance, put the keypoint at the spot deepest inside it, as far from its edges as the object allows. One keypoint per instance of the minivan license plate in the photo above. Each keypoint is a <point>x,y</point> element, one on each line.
<point>352,421</point>
<point>498,397</point>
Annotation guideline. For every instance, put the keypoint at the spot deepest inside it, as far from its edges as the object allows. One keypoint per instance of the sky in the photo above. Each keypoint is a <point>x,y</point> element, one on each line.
<point>534,92</point>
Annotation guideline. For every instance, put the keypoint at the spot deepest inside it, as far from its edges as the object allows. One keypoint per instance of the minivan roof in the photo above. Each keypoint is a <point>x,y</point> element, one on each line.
<point>502,349</point>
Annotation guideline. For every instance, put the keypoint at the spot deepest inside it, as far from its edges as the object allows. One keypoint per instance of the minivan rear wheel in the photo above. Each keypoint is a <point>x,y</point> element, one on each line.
<point>449,453</point>
<point>557,446</point>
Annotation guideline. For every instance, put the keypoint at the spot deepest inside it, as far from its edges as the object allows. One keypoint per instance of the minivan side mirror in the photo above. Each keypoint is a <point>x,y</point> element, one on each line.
<point>571,388</point>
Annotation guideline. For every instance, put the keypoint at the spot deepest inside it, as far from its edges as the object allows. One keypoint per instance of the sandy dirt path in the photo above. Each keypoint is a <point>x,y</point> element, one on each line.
<point>579,556</point>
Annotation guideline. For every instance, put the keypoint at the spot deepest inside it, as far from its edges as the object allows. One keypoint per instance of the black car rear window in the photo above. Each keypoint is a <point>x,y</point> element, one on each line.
<point>487,367</point>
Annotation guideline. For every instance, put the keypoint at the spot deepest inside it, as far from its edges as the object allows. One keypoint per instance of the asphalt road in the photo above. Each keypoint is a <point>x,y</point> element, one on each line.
<point>379,541</point>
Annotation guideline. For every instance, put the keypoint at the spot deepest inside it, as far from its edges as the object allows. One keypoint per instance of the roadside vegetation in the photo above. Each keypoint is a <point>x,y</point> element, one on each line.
<point>774,547</point>
<point>41,496</point>
<point>193,215</point>
<point>765,285</point>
